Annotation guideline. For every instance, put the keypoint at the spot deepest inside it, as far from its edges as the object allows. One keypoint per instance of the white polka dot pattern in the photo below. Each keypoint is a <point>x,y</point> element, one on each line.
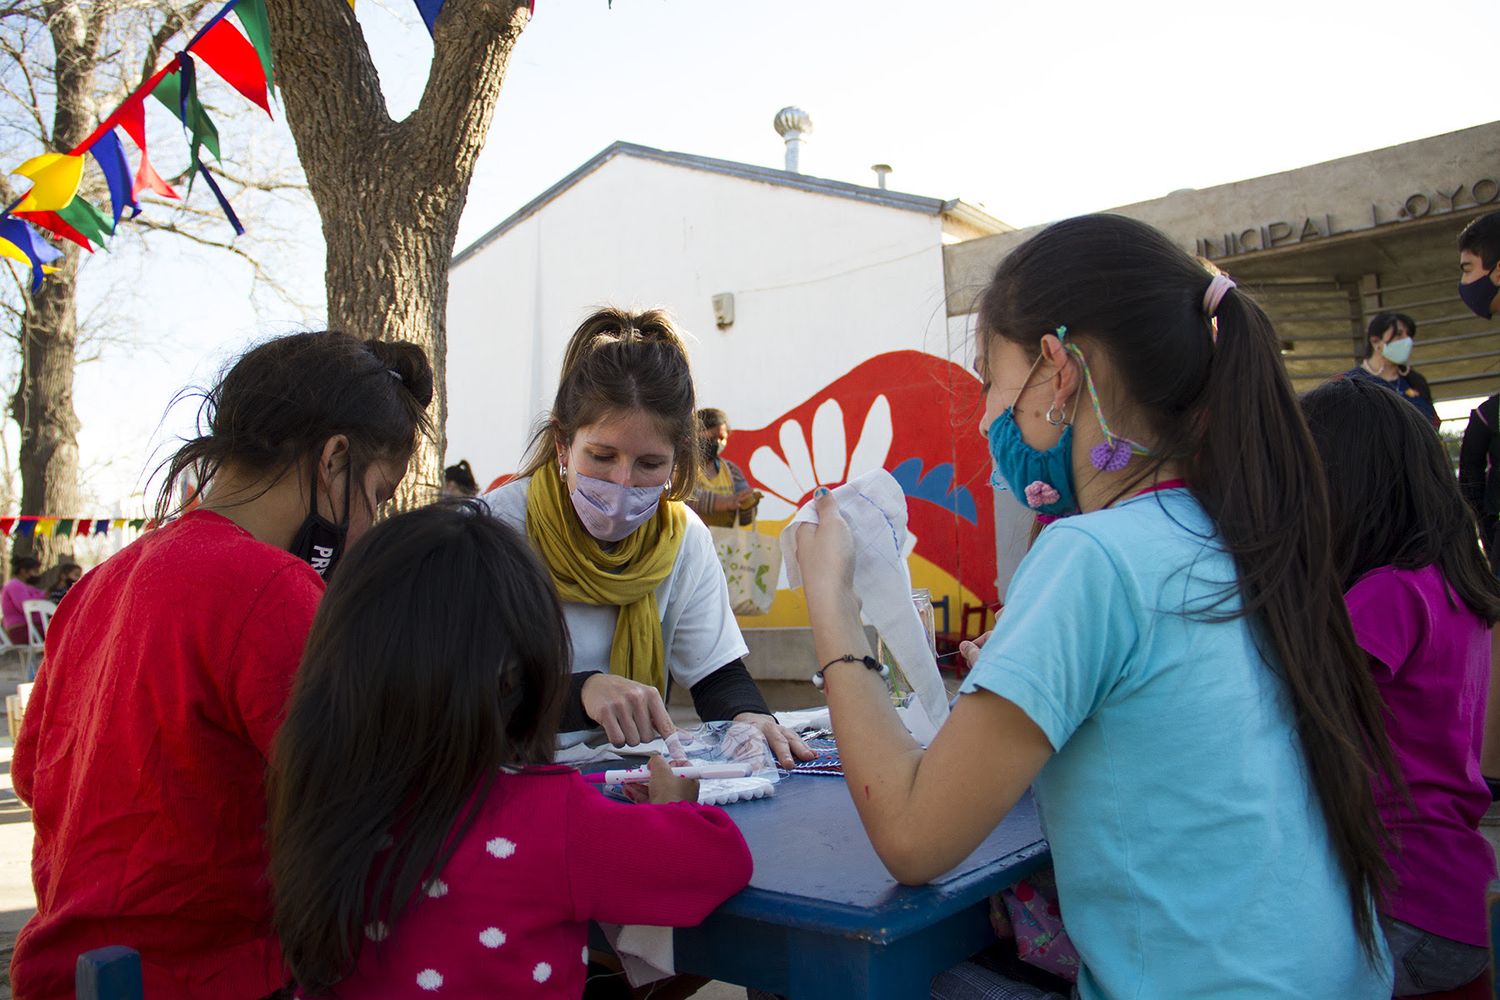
<point>437,887</point>
<point>430,979</point>
<point>492,937</point>
<point>585,954</point>
<point>500,847</point>
<point>542,972</point>
<point>377,931</point>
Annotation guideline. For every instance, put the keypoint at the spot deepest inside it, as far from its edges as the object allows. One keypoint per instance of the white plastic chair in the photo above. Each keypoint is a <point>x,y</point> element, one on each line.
<point>38,616</point>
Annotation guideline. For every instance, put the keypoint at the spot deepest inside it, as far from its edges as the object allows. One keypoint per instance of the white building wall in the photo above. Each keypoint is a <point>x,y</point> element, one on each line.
<point>820,284</point>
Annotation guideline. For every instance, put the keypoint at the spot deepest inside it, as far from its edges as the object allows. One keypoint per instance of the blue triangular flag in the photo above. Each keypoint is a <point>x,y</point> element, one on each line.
<point>429,11</point>
<point>28,242</point>
<point>110,156</point>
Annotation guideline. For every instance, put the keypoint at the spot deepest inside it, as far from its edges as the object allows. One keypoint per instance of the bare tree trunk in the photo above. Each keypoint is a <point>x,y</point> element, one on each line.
<point>390,194</point>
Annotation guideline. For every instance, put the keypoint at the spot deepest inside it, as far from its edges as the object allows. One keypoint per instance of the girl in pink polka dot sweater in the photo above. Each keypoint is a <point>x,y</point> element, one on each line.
<point>421,845</point>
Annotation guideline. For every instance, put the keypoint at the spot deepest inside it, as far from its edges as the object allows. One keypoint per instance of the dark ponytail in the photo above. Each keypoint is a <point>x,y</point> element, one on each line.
<point>1218,405</point>
<point>282,400</point>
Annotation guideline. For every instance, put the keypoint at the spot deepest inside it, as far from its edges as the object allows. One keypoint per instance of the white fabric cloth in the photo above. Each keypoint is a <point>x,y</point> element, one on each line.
<point>874,507</point>
<point>697,622</point>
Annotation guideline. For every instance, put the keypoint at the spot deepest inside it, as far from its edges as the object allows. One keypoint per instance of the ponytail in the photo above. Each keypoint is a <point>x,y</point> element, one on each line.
<point>1208,384</point>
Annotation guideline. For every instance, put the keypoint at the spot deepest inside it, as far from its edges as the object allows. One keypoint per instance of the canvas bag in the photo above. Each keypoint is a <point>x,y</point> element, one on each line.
<point>752,567</point>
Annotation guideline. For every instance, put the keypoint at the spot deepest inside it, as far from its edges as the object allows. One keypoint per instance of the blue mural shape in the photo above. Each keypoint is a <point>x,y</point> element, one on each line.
<point>936,487</point>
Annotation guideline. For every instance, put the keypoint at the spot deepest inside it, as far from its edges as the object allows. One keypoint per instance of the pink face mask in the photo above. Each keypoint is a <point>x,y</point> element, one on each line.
<point>609,511</point>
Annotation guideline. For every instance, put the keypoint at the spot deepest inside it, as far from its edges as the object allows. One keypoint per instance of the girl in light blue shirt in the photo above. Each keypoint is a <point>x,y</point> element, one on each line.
<point>1174,671</point>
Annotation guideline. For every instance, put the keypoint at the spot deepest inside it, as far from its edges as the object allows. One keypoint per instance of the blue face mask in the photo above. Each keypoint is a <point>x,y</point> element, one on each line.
<point>1042,480</point>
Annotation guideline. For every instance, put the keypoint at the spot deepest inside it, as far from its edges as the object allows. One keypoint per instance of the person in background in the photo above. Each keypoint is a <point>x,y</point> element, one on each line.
<point>458,481</point>
<point>58,580</point>
<point>25,574</point>
<point>420,838</point>
<point>1422,601</point>
<point>1479,452</point>
<point>1386,361</point>
<point>1175,671</point>
<point>599,499</point>
<point>723,498</point>
<point>167,671</point>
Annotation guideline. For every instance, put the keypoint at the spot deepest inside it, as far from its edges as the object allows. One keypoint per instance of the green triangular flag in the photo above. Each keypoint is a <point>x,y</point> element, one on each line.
<point>252,15</point>
<point>85,217</point>
<point>201,128</point>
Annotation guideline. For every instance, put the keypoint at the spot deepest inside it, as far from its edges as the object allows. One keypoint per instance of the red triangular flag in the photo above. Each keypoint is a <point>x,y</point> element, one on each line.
<point>235,60</point>
<point>55,224</point>
<point>6,523</point>
<point>132,118</point>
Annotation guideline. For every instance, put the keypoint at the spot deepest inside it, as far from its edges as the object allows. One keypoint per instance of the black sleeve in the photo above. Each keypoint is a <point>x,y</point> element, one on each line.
<point>573,716</point>
<point>1473,461</point>
<point>726,693</point>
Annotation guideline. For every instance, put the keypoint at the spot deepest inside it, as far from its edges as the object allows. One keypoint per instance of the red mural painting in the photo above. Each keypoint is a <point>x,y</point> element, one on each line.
<point>911,413</point>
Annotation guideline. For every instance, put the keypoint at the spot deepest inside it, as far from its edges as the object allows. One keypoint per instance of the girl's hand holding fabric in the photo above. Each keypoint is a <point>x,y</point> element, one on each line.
<point>825,551</point>
<point>785,744</point>
<point>630,712</point>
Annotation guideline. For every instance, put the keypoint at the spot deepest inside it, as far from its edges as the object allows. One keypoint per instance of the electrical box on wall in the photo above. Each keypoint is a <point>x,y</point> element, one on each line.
<point>724,310</point>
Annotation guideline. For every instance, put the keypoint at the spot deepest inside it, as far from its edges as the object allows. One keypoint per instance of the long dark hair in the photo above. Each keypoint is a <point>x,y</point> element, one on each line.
<point>1392,492</point>
<point>619,361</point>
<point>280,401</point>
<point>438,656</point>
<point>1219,406</point>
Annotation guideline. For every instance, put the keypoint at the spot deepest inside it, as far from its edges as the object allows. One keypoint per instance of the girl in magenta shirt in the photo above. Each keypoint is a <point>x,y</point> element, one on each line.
<point>420,840</point>
<point>1422,601</point>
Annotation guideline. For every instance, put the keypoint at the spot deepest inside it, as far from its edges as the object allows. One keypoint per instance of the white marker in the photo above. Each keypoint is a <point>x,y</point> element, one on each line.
<point>640,774</point>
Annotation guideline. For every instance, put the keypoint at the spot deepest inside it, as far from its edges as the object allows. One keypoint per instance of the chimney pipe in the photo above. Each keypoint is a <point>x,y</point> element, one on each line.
<point>791,124</point>
<point>881,170</point>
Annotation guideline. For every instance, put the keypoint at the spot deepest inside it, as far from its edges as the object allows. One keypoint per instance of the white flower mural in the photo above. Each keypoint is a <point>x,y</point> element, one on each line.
<point>821,460</point>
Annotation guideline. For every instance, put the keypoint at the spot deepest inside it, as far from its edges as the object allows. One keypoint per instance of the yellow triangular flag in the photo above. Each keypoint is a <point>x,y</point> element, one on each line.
<point>118,522</point>
<point>55,178</point>
<point>44,526</point>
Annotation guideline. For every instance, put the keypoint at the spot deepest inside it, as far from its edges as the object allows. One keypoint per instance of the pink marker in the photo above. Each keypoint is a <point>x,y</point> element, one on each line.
<point>640,774</point>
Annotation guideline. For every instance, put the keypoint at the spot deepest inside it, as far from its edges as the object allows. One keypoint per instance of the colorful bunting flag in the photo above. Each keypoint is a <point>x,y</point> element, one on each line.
<point>132,116</point>
<point>54,180</point>
<point>429,10</point>
<point>65,526</point>
<point>42,525</point>
<point>45,526</point>
<point>109,153</point>
<point>26,527</point>
<point>18,234</point>
<point>235,60</point>
<point>6,523</point>
<point>257,25</point>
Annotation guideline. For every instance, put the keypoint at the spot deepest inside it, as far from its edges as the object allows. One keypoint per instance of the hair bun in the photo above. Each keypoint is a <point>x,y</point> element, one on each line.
<point>410,363</point>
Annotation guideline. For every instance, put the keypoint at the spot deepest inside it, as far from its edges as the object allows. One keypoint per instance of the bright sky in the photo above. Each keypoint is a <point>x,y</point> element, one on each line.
<point>1037,111</point>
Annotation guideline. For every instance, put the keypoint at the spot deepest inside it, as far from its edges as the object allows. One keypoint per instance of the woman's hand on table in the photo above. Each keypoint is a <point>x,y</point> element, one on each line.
<point>631,713</point>
<point>786,746</point>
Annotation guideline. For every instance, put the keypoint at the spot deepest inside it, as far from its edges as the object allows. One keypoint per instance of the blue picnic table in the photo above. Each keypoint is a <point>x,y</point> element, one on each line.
<point>822,917</point>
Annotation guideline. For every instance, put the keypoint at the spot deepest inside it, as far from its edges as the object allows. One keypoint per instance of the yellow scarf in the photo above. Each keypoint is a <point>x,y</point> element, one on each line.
<point>625,578</point>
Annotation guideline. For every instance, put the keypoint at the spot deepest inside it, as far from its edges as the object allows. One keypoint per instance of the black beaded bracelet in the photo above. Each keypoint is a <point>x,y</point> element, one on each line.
<point>868,661</point>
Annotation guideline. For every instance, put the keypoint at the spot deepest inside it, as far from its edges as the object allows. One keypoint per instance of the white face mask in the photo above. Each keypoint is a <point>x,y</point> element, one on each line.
<point>609,511</point>
<point>1398,352</point>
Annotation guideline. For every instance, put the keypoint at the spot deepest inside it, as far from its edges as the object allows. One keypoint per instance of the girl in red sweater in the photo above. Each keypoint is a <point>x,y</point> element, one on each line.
<point>420,841</point>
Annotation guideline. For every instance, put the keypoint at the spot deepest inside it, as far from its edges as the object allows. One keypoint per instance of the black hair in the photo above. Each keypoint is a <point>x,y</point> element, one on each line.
<point>1218,404</point>
<point>1392,492</point>
<point>438,656</point>
<point>711,418</point>
<point>618,361</point>
<point>20,564</point>
<point>1381,324</point>
<point>462,476</point>
<point>282,400</point>
<point>1482,239</point>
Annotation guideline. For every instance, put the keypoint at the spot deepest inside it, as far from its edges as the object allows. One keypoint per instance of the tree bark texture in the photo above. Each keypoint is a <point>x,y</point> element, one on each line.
<point>390,193</point>
<point>43,404</point>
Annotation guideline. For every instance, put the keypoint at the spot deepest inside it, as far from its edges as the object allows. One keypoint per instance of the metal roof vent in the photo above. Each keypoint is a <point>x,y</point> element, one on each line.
<point>791,124</point>
<point>882,170</point>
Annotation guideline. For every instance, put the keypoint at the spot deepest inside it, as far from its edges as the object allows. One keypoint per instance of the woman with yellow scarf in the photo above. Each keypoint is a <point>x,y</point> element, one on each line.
<point>599,499</point>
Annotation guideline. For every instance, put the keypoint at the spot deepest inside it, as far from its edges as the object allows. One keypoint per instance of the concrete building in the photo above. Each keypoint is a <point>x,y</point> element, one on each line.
<point>1325,247</point>
<point>815,310</point>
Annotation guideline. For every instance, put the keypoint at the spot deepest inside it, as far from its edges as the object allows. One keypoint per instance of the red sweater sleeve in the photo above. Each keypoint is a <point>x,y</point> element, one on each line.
<point>666,865</point>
